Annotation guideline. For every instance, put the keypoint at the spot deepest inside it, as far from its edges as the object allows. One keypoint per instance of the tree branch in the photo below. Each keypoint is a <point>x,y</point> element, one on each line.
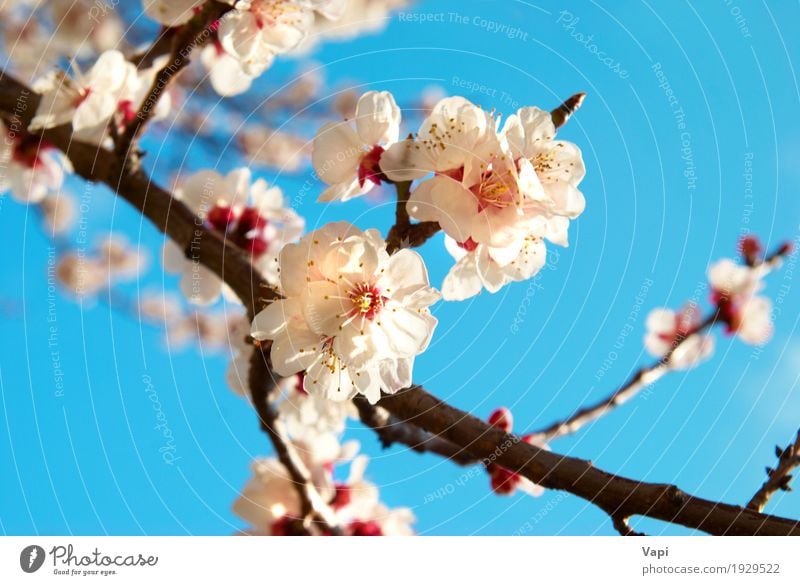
<point>618,496</point>
<point>185,39</point>
<point>390,431</point>
<point>262,381</point>
<point>640,380</point>
<point>778,479</point>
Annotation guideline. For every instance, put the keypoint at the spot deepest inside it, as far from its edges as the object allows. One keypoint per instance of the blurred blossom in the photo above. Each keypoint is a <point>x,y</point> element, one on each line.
<point>59,213</point>
<point>81,27</point>
<point>87,274</point>
<point>274,148</point>
<point>345,102</point>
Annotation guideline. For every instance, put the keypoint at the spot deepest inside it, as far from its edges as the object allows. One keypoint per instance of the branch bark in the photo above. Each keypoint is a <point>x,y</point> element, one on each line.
<point>185,39</point>
<point>390,430</point>
<point>262,381</point>
<point>640,380</point>
<point>778,479</point>
<point>618,496</point>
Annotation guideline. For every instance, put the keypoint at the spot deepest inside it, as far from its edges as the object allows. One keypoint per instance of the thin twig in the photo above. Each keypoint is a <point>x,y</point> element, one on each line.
<point>262,382</point>
<point>193,34</point>
<point>778,479</point>
<point>643,378</point>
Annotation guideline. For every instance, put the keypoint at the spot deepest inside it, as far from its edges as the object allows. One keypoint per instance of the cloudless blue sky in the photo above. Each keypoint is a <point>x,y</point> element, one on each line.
<point>88,462</point>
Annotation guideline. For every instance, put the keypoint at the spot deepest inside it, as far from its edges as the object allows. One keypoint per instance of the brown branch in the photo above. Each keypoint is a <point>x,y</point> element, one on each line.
<point>640,380</point>
<point>262,382</point>
<point>778,479</point>
<point>193,34</point>
<point>391,431</point>
<point>621,525</point>
<point>618,496</point>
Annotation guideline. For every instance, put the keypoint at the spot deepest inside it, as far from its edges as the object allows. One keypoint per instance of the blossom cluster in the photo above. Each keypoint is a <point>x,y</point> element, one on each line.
<point>253,33</point>
<point>678,337</point>
<point>498,192</point>
<point>270,503</point>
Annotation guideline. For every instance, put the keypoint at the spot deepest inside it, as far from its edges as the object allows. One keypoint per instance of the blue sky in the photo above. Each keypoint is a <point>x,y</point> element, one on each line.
<point>673,180</point>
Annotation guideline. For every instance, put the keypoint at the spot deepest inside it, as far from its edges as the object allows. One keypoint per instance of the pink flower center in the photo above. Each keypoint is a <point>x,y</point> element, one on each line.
<point>361,528</point>
<point>244,228</point>
<point>367,300</point>
<point>288,526</point>
<point>495,190</point>
<point>342,497</point>
<point>469,244</point>
<point>82,95</point>
<point>127,110</point>
<point>503,481</point>
<point>27,150</point>
<point>369,169</point>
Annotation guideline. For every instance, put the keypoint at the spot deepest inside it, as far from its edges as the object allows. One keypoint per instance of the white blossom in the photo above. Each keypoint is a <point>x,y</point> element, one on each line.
<point>251,216</point>
<point>347,158</point>
<point>171,12</point>
<point>86,101</point>
<point>734,290</point>
<point>353,317</point>
<point>33,167</point>
<point>256,30</point>
<point>668,331</point>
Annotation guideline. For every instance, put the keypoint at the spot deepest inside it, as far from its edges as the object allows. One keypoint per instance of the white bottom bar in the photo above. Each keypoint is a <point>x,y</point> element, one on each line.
<point>411,561</point>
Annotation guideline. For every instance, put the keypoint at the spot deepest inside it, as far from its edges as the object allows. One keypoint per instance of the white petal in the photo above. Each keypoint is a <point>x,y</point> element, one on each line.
<point>462,282</point>
<point>404,273</point>
<point>274,318</point>
<point>325,307</point>
<point>336,153</point>
<point>406,332</point>
<point>295,350</point>
<point>377,118</point>
<point>173,259</point>
<point>405,161</point>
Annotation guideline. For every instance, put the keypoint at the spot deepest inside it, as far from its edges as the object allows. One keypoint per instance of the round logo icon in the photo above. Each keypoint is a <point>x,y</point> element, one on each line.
<point>31,558</point>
